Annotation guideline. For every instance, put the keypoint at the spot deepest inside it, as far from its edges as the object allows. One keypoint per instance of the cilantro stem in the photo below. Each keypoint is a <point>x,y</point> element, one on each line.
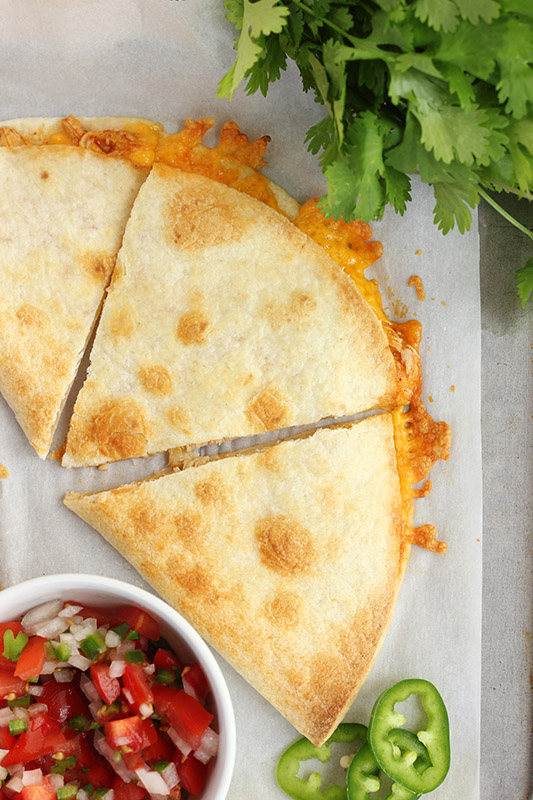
<point>370,48</point>
<point>505,214</point>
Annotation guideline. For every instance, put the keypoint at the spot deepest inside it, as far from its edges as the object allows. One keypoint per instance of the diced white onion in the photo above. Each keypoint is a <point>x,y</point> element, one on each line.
<point>182,746</point>
<point>145,710</point>
<point>52,628</point>
<point>95,707</point>
<point>64,675</point>
<point>152,781</point>
<point>15,784</point>
<point>6,715</point>
<point>116,669</point>
<point>124,648</point>
<point>2,754</point>
<point>56,780</point>
<point>16,771</point>
<point>36,691</point>
<point>170,775</point>
<point>187,688</point>
<point>208,746</point>
<point>80,662</point>
<point>21,713</point>
<point>40,614</point>
<point>32,777</point>
<point>69,611</point>
<point>112,639</point>
<point>82,795</point>
<point>149,669</point>
<point>88,688</point>
<point>3,773</point>
<point>86,628</point>
<point>128,695</point>
<point>159,797</point>
<point>113,756</point>
<point>48,667</point>
<point>37,708</point>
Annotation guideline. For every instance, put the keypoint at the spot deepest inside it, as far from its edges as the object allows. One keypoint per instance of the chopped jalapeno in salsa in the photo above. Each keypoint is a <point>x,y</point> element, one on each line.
<point>95,705</point>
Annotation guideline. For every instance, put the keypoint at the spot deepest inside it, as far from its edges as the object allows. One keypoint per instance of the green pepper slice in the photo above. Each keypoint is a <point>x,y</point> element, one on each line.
<point>303,750</point>
<point>398,764</point>
<point>363,778</point>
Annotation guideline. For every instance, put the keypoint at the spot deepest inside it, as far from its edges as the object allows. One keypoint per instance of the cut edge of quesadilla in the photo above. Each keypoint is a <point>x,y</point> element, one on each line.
<point>250,326</point>
<point>288,560</point>
<point>67,241</point>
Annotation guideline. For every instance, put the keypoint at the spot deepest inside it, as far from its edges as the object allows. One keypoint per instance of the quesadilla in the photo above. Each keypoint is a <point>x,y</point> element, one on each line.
<point>222,320</point>
<point>288,561</point>
<point>63,209</point>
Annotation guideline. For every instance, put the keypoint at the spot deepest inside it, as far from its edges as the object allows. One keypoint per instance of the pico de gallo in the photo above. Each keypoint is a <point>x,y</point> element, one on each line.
<point>95,704</point>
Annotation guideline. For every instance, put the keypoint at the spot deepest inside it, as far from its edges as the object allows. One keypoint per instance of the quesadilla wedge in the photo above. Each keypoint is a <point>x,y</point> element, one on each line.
<point>288,561</point>
<point>63,209</point>
<point>222,320</point>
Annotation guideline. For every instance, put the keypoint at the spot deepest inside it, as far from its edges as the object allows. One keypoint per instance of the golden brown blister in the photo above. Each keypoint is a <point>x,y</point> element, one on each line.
<point>222,320</point>
<point>288,560</point>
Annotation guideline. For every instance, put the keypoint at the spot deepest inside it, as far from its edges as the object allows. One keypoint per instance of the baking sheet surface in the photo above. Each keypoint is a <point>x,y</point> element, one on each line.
<point>162,59</point>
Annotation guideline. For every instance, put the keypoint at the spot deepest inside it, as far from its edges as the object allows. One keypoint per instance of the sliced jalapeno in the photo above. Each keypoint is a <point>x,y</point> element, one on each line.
<point>403,766</point>
<point>303,750</point>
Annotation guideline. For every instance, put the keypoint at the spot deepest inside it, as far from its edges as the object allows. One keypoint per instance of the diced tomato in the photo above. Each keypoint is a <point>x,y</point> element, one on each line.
<point>164,659</point>
<point>135,683</point>
<point>161,750</point>
<point>32,658</point>
<point>127,791</point>
<point>191,772</point>
<point>64,700</point>
<point>134,760</point>
<point>101,617</point>
<point>149,733</point>
<point>139,621</point>
<point>41,792</point>
<point>100,774</point>
<point>108,688</point>
<point>197,680</point>
<point>9,683</point>
<point>15,627</point>
<point>125,733</point>
<point>186,715</point>
<point>44,736</point>
<point>6,740</point>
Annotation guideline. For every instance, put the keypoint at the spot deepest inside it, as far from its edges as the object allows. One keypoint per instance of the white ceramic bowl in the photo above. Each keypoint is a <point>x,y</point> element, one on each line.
<point>94,590</point>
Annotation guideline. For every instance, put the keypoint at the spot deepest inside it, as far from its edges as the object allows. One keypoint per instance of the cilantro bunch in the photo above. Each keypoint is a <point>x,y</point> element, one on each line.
<point>438,88</point>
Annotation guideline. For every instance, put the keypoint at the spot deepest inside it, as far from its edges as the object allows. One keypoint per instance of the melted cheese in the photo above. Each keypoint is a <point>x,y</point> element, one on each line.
<point>235,161</point>
<point>419,440</point>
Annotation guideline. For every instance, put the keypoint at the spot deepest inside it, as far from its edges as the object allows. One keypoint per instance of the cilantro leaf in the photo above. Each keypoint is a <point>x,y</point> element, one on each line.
<point>524,280</point>
<point>442,89</point>
<point>253,19</point>
<point>442,15</point>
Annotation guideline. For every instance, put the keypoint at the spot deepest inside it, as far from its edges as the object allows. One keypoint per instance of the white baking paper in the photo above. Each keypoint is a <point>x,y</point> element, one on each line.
<point>162,59</point>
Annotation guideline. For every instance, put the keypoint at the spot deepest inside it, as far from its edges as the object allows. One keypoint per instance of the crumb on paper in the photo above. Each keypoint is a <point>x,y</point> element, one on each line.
<point>4,472</point>
<point>103,467</point>
<point>416,281</point>
<point>430,398</point>
<point>418,252</point>
<point>452,387</point>
<point>443,303</point>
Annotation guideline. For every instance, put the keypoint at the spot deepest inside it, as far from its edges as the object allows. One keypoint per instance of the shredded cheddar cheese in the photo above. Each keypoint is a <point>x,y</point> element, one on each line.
<point>416,281</point>
<point>419,440</point>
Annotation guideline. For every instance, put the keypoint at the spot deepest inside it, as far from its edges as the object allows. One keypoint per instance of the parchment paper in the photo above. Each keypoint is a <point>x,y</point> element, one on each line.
<point>162,59</point>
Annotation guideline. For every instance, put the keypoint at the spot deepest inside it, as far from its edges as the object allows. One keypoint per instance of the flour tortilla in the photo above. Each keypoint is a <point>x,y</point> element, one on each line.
<point>222,320</point>
<point>287,561</point>
<point>63,210</point>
